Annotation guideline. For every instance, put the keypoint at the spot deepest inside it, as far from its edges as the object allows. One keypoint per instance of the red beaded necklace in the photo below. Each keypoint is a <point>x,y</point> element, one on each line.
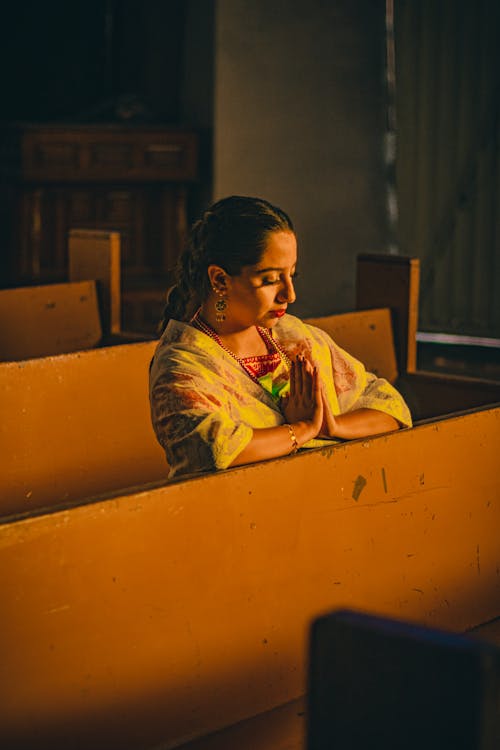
<point>199,323</point>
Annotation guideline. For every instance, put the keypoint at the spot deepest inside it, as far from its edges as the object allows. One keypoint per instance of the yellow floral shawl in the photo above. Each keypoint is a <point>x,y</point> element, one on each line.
<point>204,406</point>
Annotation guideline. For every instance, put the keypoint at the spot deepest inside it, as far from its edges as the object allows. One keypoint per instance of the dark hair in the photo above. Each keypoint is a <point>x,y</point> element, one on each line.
<point>231,234</point>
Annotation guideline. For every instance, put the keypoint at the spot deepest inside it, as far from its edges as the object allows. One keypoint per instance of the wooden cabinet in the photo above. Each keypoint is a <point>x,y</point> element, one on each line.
<point>126,178</point>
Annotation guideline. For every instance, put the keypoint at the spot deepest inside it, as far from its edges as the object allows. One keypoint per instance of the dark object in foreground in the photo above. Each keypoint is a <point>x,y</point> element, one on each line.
<point>380,683</point>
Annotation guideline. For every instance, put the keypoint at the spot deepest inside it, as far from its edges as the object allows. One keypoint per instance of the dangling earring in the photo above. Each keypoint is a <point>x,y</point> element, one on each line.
<point>220,309</point>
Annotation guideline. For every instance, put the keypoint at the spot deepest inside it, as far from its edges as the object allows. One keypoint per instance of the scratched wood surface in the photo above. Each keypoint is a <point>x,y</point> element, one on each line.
<point>167,613</point>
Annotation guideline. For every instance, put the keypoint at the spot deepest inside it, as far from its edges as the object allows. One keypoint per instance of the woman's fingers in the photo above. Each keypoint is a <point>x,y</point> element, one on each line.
<point>309,382</point>
<point>302,380</point>
<point>309,367</point>
<point>292,379</point>
<point>307,370</point>
<point>299,375</point>
<point>305,402</point>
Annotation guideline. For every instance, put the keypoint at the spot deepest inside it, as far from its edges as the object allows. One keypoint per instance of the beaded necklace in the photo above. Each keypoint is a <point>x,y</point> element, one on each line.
<point>264,333</point>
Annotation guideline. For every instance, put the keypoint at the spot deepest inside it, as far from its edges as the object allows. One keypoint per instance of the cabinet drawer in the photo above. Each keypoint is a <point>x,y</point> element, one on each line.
<point>70,155</point>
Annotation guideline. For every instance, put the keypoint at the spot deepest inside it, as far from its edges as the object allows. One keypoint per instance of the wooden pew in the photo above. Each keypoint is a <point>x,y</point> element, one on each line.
<point>95,254</point>
<point>83,313</point>
<point>164,613</point>
<point>77,425</point>
<point>154,616</point>
<point>49,319</point>
<point>393,281</point>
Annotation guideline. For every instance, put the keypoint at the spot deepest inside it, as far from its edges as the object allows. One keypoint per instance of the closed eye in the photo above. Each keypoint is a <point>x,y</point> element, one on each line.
<point>269,282</point>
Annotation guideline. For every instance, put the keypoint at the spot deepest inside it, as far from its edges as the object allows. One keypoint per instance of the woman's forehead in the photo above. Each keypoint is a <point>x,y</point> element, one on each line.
<point>280,252</point>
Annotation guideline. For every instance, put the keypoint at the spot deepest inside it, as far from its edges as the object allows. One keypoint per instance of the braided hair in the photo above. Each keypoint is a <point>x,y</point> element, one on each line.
<point>231,234</point>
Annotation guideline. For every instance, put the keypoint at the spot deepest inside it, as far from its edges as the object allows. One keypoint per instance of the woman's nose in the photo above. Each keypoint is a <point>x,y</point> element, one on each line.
<point>287,292</point>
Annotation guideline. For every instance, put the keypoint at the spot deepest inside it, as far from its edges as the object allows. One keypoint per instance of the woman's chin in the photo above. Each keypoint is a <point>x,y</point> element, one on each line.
<point>272,318</point>
<point>268,321</point>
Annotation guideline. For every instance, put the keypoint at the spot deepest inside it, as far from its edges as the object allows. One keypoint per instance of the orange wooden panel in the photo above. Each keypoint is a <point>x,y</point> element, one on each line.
<point>94,254</point>
<point>76,425</point>
<point>37,321</point>
<point>167,613</point>
<point>393,281</point>
<point>367,335</point>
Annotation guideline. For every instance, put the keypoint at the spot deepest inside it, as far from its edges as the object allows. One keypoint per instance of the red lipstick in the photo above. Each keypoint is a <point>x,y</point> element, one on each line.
<point>277,313</point>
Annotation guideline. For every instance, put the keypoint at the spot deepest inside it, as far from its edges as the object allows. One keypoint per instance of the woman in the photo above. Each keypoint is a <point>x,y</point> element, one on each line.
<point>234,378</point>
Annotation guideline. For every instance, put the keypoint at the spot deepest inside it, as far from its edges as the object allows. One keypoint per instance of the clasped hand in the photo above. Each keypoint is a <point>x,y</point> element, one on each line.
<point>307,403</point>
<point>304,403</point>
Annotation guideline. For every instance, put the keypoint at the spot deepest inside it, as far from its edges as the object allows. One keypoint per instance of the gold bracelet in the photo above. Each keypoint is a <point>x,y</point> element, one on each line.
<point>293,438</point>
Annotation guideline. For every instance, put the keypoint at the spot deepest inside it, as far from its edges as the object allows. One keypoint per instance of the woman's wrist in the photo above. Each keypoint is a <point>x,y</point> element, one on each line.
<point>304,431</point>
<point>293,438</point>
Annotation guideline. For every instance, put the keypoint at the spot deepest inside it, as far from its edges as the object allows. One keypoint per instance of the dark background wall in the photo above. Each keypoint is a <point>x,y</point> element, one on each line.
<point>300,119</point>
<point>290,102</point>
<point>448,166</point>
<point>72,60</point>
<point>288,97</point>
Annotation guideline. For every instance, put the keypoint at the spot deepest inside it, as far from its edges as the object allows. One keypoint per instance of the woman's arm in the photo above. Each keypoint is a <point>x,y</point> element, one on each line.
<point>357,423</point>
<point>273,442</point>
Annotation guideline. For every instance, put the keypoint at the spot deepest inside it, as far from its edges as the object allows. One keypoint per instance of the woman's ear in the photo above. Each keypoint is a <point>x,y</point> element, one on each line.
<point>219,279</point>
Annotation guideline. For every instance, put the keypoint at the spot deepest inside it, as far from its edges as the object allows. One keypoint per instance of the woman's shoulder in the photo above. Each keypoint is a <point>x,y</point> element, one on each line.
<point>183,346</point>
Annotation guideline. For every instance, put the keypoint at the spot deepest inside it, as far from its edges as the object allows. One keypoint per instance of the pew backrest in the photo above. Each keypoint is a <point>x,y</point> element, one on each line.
<point>76,425</point>
<point>392,281</point>
<point>49,319</point>
<point>367,335</point>
<point>95,254</point>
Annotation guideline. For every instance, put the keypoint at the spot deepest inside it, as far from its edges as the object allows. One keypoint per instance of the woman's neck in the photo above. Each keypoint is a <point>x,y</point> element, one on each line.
<point>244,342</point>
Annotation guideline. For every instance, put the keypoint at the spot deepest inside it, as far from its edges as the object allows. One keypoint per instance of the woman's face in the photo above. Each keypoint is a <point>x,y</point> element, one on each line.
<point>260,294</point>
